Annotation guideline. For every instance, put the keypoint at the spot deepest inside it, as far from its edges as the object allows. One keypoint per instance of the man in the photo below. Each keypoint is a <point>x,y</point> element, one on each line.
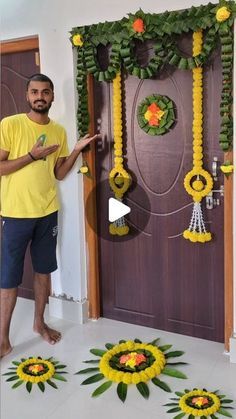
<point>33,154</point>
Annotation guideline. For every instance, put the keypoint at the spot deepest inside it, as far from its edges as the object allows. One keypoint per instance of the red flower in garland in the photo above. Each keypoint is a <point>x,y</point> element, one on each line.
<point>138,25</point>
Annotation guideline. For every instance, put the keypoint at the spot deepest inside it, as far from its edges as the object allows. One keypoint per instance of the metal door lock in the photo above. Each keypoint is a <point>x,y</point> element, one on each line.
<point>211,201</point>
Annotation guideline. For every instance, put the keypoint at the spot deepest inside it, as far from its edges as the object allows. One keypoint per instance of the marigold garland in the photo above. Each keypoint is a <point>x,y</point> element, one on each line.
<point>132,362</point>
<point>199,403</point>
<point>36,371</point>
<point>193,181</point>
<point>119,178</point>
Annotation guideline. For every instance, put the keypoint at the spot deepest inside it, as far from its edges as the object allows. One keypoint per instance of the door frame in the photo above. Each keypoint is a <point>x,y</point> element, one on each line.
<point>9,46</point>
<point>12,46</point>
<point>92,240</point>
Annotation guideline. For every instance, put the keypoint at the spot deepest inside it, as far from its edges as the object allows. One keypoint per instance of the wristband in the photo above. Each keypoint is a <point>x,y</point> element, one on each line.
<point>32,157</point>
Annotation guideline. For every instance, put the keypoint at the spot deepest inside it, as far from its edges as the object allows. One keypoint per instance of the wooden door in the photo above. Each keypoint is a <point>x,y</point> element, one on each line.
<point>157,278</point>
<point>16,68</point>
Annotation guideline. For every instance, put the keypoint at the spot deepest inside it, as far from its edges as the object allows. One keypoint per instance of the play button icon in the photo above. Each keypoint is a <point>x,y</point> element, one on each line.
<point>135,208</point>
<point>116,209</point>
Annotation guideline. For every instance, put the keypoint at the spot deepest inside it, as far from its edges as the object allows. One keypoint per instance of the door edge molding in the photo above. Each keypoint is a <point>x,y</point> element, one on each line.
<point>9,46</point>
<point>228,255</point>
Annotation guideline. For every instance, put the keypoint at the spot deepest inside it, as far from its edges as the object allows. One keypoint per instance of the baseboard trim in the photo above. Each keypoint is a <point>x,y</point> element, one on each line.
<point>74,311</point>
<point>233,349</point>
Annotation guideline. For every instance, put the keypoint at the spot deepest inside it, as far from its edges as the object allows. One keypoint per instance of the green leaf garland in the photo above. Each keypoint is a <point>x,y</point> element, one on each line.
<point>162,29</point>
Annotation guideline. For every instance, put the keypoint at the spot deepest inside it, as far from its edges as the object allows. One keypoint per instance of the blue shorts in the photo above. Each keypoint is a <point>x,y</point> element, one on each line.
<point>17,233</point>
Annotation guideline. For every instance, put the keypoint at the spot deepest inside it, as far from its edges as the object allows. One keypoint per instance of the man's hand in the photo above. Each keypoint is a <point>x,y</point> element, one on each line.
<point>83,142</point>
<point>40,152</point>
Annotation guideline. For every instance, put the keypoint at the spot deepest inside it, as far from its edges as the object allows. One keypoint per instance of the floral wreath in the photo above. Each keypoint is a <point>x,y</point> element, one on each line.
<point>199,403</point>
<point>132,362</point>
<point>156,114</point>
<point>36,371</point>
<point>197,188</point>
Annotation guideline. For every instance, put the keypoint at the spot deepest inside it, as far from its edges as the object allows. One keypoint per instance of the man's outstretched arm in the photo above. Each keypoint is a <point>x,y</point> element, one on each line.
<point>65,164</point>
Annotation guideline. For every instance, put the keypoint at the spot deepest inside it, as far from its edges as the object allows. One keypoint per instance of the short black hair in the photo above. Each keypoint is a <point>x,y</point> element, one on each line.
<point>40,77</point>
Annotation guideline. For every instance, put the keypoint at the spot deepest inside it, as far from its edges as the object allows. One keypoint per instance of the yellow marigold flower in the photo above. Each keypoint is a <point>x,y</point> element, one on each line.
<point>84,169</point>
<point>119,376</point>
<point>148,115</point>
<point>111,375</point>
<point>198,185</point>
<point>136,378</point>
<point>144,377</point>
<point>130,345</point>
<point>127,378</point>
<point>186,234</point>
<point>197,156</point>
<point>77,40</point>
<point>131,363</point>
<point>151,372</point>
<point>227,168</point>
<point>222,14</point>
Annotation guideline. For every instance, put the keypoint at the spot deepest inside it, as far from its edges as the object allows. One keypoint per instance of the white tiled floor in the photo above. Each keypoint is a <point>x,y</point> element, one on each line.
<point>208,367</point>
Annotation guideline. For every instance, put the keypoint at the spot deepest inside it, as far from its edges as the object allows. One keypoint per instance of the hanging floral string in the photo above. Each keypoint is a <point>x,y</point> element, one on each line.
<point>119,178</point>
<point>193,181</point>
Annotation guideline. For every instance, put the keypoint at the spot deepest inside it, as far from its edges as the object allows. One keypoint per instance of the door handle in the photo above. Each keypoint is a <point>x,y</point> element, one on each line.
<point>215,167</point>
<point>211,201</point>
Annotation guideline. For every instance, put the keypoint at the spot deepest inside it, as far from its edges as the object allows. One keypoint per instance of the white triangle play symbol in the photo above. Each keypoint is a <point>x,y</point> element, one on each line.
<point>116,209</point>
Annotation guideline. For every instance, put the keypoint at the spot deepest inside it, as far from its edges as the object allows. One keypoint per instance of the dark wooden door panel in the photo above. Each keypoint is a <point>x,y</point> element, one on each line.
<point>158,278</point>
<point>16,68</point>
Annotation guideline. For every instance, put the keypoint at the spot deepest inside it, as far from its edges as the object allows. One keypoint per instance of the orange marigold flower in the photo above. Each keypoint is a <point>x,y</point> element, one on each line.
<point>36,368</point>
<point>124,358</point>
<point>138,25</point>
<point>154,121</point>
<point>132,359</point>
<point>200,401</point>
<point>140,358</point>
<point>153,107</point>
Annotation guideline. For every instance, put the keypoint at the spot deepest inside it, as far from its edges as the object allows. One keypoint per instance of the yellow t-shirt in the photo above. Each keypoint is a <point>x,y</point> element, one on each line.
<point>31,191</point>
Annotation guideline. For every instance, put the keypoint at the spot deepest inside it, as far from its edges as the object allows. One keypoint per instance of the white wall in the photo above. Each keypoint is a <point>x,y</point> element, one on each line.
<point>52,20</point>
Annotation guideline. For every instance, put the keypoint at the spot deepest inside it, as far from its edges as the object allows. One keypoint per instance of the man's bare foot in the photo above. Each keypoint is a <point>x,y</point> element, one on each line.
<point>50,335</point>
<point>5,349</point>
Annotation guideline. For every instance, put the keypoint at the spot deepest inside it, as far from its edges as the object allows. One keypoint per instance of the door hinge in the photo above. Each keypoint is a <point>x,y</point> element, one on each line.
<point>37,58</point>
